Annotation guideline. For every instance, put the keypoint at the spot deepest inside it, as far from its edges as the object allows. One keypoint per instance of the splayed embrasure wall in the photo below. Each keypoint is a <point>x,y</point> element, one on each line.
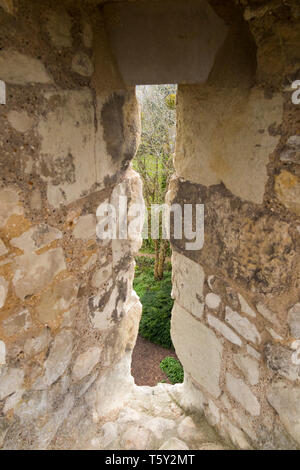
<point>70,126</point>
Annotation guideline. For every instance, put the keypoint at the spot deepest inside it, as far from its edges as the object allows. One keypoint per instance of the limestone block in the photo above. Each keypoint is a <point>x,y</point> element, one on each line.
<point>20,120</point>
<point>243,326</point>
<point>102,275</point>
<point>111,389</point>
<point>11,380</point>
<point>85,228</point>
<point>212,413</point>
<point>188,431</point>
<point>37,344</point>
<point>159,426</point>
<point>136,438</point>
<point>253,352</point>
<point>82,64</point>
<point>232,122</point>
<point>212,301</point>
<point>68,146</point>
<point>85,363</point>
<point>188,280</point>
<point>2,353</point>
<point>174,444</point>
<point>36,238</point>
<point>224,330</point>
<point>248,366</point>
<point>287,188</point>
<point>266,312</point>
<point>56,299</point>
<point>285,398</point>
<point>3,291</point>
<point>294,320</point>
<point>242,393</point>
<point>59,28</point>
<point>102,316</point>
<point>17,323</point>
<point>237,437</point>
<point>21,69</point>
<point>3,249</point>
<point>9,205</point>
<point>33,272</point>
<point>198,349</point>
<point>245,307</point>
<point>58,360</point>
<point>108,434</point>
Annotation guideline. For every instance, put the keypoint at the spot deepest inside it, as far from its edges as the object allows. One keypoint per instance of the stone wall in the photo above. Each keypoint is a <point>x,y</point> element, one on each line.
<point>68,316</point>
<point>236,312</point>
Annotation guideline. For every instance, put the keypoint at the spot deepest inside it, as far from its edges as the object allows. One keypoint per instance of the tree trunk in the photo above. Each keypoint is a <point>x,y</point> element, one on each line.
<point>156,263</point>
<point>162,257</point>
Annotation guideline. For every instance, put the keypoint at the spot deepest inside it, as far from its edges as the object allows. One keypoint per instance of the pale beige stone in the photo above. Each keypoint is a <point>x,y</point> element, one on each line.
<point>212,301</point>
<point>285,398</point>
<point>188,280</point>
<point>3,291</point>
<point>85,363</point>
<point>20,120</point>
<point>33,272</point>
<point>36,238</point>
<point>242,393</point>
<point>243,326</point>
<point>2,353</point>
<point>245,307</point>
<point>228,125</point>
<point>249,367</point>
<point>37,344</point>
<point>58,360</point>
<point>266,312</point>
<point>9,204</point>
<point>11,380</point>
<point>21,69</point>
<point>224,330</point>
<point>237,437</point>
<point>102,275</point>
<point>294,320</point>
<point>253,352</point>
<point>36,200</point>
<point>17,323</point>
<point>67,133</point>
<point>85,227</point>
<point>3,249</point>
<point>174,444</point>
<point>136,438</point>
<point>198,349</point>
<point>160,426</point>
<point>56,299</point>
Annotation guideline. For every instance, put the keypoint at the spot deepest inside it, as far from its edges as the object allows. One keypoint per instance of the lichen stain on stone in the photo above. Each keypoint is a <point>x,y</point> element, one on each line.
<point>113,125</point>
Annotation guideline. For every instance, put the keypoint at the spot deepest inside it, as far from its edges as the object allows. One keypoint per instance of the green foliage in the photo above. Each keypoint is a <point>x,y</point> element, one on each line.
<point>173,369</point>
<point>157,304</point>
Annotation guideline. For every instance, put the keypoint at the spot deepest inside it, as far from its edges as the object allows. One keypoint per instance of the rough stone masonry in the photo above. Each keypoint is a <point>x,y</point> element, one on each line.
<point>69,129</point>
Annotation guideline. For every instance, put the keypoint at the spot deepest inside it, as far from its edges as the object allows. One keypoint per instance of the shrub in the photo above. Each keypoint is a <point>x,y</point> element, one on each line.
<point>157,304</point>
<point>173,369</point>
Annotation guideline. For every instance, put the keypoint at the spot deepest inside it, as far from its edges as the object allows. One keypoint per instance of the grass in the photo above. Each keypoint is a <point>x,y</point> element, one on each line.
<point>173,369</point>
<point>157,304</point>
